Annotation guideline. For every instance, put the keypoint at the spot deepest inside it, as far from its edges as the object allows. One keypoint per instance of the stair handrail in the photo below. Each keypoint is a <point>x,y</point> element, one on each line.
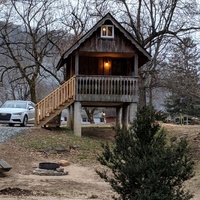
<point>55,99</point>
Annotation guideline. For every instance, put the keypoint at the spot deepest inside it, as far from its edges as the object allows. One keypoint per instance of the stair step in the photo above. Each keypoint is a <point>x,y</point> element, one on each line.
<point>56,111</point>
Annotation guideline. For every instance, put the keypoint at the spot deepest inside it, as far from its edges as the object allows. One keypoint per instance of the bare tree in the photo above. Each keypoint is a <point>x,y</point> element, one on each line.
<point>183,66</point>
<point>153,24</point>
<point>76,17</point>
<point>90,113</point>
<point>182,78</point>
<point>30,45</point>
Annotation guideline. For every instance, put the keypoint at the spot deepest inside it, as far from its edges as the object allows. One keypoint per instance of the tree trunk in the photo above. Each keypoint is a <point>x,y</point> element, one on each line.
<point>90,114</point>
<point>33,92</point>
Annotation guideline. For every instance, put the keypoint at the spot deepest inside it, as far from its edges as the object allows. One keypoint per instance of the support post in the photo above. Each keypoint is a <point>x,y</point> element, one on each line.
<point>71,113</point>
<point>119,117</point>
<point>69,120</point>
<point>76,64</point>
<point>132,112</point>
<point>136,64</point>
<point>71,67</point>
<point>77,118</point>
<point>125,116</point>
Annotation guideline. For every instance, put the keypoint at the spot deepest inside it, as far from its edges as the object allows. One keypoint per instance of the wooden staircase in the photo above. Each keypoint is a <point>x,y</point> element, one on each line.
<point>51,106</point>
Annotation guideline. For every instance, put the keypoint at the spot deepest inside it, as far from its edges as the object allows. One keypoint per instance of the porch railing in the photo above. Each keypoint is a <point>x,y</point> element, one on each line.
<point>106,88</point>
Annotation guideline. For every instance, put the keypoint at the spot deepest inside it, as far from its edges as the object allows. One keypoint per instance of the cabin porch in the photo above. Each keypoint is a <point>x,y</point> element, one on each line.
<point>94,91</point>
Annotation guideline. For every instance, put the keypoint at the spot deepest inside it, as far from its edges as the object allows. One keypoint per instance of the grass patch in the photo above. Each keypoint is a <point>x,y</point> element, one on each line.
<point>88,146</point>
<point>79,148</point>
<point>56,138</point>
<point>83,156</point>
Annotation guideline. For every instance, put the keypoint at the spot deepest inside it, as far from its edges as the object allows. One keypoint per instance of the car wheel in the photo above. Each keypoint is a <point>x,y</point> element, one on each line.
<point>25,121</point>
<point>11,124</point>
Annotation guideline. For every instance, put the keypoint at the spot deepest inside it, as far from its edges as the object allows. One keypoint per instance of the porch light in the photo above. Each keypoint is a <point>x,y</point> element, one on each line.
<point>106,64</point>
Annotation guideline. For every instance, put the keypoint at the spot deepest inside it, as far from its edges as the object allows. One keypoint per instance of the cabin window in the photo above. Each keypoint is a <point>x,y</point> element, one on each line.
<point>107,31</point>
<point>101,120</point>
<point>85,119</point>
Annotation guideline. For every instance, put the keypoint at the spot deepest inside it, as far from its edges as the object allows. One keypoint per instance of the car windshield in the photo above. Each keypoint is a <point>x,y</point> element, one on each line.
<point>12,104</point>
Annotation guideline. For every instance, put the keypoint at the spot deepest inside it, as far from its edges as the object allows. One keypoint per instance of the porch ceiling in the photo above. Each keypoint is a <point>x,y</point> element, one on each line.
<point>107,54</point>
<point>101,104</point>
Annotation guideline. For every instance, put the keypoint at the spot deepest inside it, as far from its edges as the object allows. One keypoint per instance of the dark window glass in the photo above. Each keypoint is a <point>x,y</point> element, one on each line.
<point>110,29</point>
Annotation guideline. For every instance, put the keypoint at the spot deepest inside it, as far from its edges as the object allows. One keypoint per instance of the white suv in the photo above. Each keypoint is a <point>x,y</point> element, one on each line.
<point>17,112</point>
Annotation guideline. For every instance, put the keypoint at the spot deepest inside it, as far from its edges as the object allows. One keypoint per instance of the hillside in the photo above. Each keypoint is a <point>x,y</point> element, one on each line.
<point>36,145</point>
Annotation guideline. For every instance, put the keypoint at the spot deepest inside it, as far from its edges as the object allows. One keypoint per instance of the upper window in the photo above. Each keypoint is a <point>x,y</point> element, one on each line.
<point>107,31</point>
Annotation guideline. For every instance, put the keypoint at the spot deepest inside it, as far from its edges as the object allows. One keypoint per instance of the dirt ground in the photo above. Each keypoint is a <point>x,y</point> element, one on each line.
<point>82,182</point>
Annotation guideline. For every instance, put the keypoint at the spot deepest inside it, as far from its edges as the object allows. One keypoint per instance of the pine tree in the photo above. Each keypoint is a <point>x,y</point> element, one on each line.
<point>143,165</point>
<point>183,79</point>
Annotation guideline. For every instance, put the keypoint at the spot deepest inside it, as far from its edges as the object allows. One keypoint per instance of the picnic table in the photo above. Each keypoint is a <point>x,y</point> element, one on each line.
<point>4,166</point>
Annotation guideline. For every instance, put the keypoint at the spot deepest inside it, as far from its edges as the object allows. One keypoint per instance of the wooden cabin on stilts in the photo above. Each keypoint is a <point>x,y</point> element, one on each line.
<point>101,70</point>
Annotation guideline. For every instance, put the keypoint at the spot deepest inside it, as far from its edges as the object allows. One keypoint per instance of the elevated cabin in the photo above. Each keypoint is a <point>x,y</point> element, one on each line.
<point>101,70</point>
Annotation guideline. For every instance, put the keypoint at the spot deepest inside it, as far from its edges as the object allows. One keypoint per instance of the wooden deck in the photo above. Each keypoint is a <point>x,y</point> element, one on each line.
<point>93,89</point>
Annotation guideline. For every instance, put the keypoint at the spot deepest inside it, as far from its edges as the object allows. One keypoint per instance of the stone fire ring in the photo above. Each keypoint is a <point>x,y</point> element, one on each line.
<point>49,169</point>
<point>49,165</point>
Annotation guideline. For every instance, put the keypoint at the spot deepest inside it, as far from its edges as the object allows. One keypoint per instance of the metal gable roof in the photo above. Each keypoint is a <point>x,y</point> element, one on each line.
<point>93,29</point>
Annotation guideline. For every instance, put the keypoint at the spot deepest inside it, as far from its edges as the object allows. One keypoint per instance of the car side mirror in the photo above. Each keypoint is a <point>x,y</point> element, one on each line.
<point>30,107</point>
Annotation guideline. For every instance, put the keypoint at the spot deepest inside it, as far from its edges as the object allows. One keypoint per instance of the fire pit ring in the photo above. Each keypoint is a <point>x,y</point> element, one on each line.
<point>48,165</point>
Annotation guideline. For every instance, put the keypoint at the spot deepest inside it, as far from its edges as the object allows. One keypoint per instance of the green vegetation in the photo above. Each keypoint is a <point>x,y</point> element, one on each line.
<point>79,149</point>
<point>144,164</point>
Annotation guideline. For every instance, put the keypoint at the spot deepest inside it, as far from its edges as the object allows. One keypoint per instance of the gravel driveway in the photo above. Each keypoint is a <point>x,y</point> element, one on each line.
<point>7,132</point>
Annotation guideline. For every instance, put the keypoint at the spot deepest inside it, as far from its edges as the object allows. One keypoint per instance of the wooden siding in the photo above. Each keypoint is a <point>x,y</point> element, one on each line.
<point>116,44</point>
